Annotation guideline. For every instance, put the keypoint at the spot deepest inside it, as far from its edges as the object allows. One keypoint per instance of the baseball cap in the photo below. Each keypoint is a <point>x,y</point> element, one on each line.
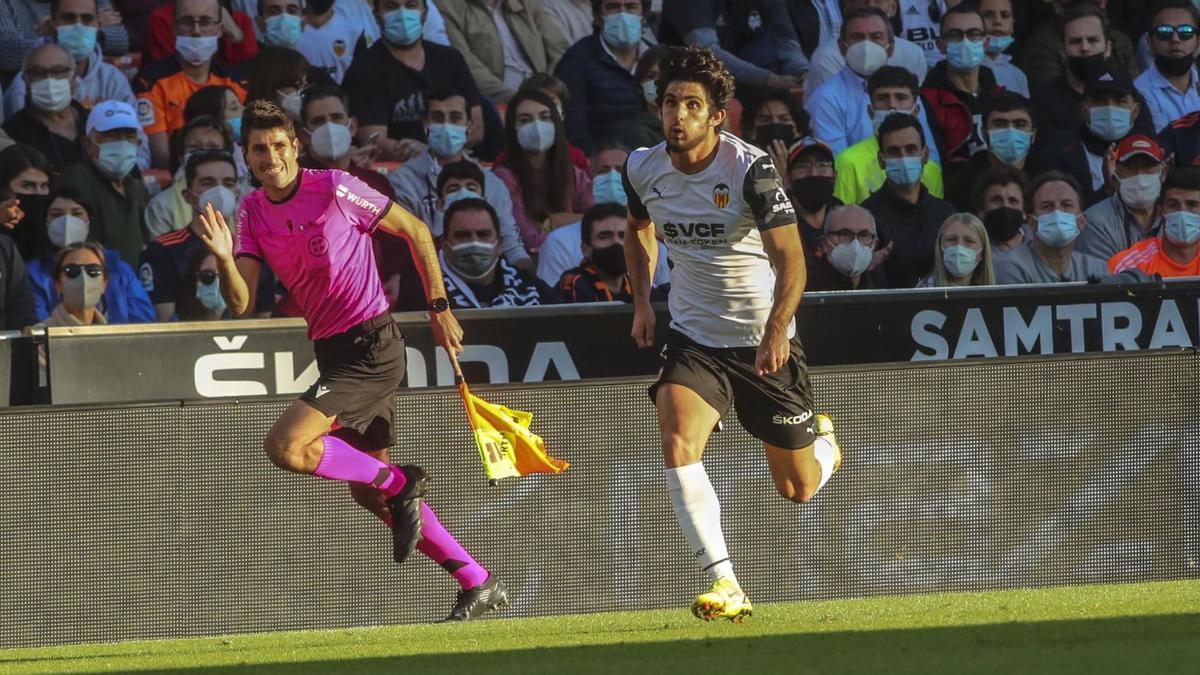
<point>109,115</point>
<point>1114,80</point>
<point>804,144</point>
<point>1132,146</point>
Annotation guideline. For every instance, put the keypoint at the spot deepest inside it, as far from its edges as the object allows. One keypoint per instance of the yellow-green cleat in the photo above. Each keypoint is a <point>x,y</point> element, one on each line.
<point>823,426</point>
<point>724,600</point>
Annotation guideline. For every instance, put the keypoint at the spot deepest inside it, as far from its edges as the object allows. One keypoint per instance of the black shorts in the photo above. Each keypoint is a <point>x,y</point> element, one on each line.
<point>775,408</point>
<point>360,371</point>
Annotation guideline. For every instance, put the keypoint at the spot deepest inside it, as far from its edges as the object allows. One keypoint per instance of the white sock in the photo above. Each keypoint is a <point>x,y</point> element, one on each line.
<point>826,456</point>
<point>699,515</point>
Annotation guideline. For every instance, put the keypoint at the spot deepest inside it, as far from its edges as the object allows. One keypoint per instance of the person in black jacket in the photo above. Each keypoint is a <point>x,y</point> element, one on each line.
<point>16,297</point>
<point>906,215</point>
<point>598,71</point>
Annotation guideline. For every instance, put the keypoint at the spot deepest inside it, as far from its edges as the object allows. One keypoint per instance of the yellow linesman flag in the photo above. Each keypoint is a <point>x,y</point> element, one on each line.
<point>506,445</point>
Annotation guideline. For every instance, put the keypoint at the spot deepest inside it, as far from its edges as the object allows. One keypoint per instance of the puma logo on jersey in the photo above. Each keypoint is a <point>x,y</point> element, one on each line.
<point>689,230</point>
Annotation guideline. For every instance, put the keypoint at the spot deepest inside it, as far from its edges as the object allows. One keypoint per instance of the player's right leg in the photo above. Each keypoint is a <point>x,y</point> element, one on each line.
<point>686,420</point>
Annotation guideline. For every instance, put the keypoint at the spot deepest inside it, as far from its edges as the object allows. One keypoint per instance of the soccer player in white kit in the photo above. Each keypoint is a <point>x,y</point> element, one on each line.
<point>736,279</point>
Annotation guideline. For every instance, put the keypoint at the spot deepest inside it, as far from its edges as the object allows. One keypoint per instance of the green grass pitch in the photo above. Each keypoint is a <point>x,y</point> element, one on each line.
<point>1129,628</point>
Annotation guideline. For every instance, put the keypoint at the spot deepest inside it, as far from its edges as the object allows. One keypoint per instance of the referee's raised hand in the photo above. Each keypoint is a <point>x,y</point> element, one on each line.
<point>216,235</point>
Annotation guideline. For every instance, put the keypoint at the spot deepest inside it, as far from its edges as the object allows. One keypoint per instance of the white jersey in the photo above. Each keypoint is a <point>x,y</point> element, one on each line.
<point>330,47</point>
<point>722,283</point>
<point>922,20</point>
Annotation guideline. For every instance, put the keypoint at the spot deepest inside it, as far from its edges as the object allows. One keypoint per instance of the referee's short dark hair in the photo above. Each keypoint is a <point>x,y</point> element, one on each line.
<point>264,115</point>
<point>1052,177</point>
<point>702,66</point>
<point>898,121</point>
<point>463,169</point>
<point>895,77</point>
<point>1183,178</point>
<point>597,213</point>
<point>470,205</point>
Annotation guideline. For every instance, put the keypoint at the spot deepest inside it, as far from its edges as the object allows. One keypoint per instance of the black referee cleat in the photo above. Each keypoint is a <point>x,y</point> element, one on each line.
<point>406,512</point>
<point>473,603</point>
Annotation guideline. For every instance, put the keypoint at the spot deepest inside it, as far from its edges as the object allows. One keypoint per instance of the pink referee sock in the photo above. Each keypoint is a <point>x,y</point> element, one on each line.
<point>341,461</point>
<point>442,548</point>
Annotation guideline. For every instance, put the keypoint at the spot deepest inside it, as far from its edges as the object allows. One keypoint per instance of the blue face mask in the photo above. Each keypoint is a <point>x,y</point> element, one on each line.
<point>965,54</point>
<point>235,128</point>
<point>1110,122</point>
<point>1057,228</point>
<point>209,295</point>
<point>960,261</point>
<point>1182,228</point>
<point>622,30</point>
<point>462,193</point>
<point>283,30</point>
<point>1010,145</point>
<point>607,187</point>
<point>447,140</point>
<point>998,43</point>
<point>904,171</point>
<point>650,92</point>
<point>117,158</point>
<point>402,26</point>
<point>79,40</point>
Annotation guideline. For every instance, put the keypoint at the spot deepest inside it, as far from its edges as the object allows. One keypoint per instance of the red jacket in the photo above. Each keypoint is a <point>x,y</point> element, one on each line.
<point>160,37</point>
<point>951,118</point>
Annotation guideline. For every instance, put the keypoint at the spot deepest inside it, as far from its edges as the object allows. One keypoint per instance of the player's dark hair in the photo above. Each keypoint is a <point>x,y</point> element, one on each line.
<point>650,58</point>
<point>558,171</point>
<point>463,169</point>
<point>898,121</point>
<point>205,157</point>
<point>863,13</point>
<point>1008,101</point>
<point>1052,177</point>
<point>893,77</point>
<point>179,137</point>
<point>1183,178</point>
<point>597,213</point>
<point>702,66</point>
<point>545,82</point>
<point>320,92</point>
<point>961,8</point>
<point>265,115</point>
<point>470,205</point>
<point>993,176</point>
<point>799,115</point>
<point>445,94</point>
<point>1163,5</point>
<point>1082,10</point>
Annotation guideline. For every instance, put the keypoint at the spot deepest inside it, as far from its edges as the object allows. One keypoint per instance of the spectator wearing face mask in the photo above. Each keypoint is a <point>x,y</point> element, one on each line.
<point>50,120</point>
<point>164,86</point>
<point>415,183</point>
<point>329,40</point>
<point>281,77</point>
<point>560,250</point>
<point>24,190</point>
<point>80,279</point>
<point>474,272</point>
<point>847,250</point>
<point>773,121</point>
<point>999,22</point>
<point>1088,47</point>
<point>556,90</point>
<point>548,190</point>
<point>69,222</point>
<point>962,255</point>
<point>907,217</point>
<point>600,276</point>
<point>75,25</point>
<point>1050,257</point>
<point>643,129</point>
<point>809,180</point>
<point>234,31</point>
<point>168,210</point>
<point>16,298</point>
<point>599,72</point>
<point>1169,86</point>
<point>109,180</point>
<point>998,199</point>
<point>23,25</point>
<point>890,90</point>
<point>1010,131</point>
<point>828,60</point>
<point>211,178</point>
<point>1175,251</point>
<point>200,291</point>
<point>1131,214</point>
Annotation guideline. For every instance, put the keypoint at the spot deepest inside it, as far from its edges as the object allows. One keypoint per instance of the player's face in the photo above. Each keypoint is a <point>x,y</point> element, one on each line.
<point>272,156</point>
<point>687,119</point>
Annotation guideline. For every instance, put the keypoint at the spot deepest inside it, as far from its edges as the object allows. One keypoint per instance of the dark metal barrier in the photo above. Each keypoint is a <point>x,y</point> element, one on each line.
<point>260,358</point>
<point>160,521</point>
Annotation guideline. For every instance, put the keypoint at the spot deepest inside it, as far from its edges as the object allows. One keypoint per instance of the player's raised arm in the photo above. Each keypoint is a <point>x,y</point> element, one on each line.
<point>400,222</point>
<point>239,277</point>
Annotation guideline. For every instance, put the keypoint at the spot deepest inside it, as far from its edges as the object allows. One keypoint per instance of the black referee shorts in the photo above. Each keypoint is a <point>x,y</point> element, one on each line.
<point>360,370</point>
<point>775,408</point>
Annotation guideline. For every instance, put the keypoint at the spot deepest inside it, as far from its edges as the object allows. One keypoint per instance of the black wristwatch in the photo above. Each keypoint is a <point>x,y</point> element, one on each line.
<point>439,305</point>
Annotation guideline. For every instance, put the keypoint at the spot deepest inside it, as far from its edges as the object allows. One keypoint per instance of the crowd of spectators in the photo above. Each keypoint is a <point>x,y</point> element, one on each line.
<point>923,142</point>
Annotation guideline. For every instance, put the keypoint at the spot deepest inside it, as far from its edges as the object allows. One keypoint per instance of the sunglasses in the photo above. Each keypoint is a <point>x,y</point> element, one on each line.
<point>207,277</point>
<point>1184,31</point>
<point>72,270</point>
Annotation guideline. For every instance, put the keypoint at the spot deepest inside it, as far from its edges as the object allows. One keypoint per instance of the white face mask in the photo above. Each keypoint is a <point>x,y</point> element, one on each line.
<point>1140,191</point>
<point>851,259</point>
<point>196,50</point>
<point>291,105</point>
<point>331,141</point>
<point>536,136</point>
<point>866,57</point>
<point>51,94</point>
<point>222,199</point>
<point>66,230</point>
